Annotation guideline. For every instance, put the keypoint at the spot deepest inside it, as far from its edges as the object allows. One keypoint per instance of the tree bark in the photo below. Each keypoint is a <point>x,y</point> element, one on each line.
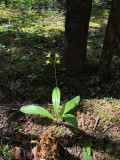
<point>76,33</point>
<point>110,41</point>
<point>6,3</point>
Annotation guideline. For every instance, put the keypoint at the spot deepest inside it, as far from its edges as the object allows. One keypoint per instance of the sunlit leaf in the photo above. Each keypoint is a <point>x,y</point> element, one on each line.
<point>48,55</point>
<point>47,62</point>
<point>85,155</point>
<point>56,99</point>
<point>71,119</point>
<point>71,104</point>
<point>57,55</point>
<point>88,149</point>
<point>32,109</point>
<point>58,61</point>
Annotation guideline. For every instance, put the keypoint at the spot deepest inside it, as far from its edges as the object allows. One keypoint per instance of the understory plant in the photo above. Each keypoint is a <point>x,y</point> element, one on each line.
<point>60,112</point>
<point>87,153</point>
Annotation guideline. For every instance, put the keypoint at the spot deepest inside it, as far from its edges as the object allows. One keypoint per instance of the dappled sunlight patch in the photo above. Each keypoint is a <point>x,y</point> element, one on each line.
<point>93,24</point>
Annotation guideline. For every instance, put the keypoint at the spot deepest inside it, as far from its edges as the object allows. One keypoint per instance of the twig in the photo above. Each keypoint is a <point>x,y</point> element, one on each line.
<point>94,156</point>
<point>16,90</point>
<point>83,121</point>
<point>118,117</point>
<point>3,157</point>
<point>49,104</point>
<point>8,108</point>
<point>110,127</point>
<point>57,17</point>
<point>96,122</point>
<point>10,138</point>
<point>24,155</point>
<point>107,128</point>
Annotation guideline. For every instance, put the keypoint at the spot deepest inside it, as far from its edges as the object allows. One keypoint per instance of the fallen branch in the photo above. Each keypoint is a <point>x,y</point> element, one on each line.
<point>83,121</point>
<point>8,108</point>
<point>96,122</point>
<point>110,127</point>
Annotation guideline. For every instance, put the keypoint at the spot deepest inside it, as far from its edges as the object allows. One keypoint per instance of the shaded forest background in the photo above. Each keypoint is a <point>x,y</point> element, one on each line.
<point>31,34</point>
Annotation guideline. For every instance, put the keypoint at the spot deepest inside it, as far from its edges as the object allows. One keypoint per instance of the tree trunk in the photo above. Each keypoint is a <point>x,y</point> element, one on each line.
<point>6,3</point>
<point>110,41</point>
<point>76,33</point>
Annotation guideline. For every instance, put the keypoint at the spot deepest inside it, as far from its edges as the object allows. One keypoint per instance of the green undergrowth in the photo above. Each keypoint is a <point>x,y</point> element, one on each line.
<point>98,21</point>
<point>5,151</point>
<point>27,38</point>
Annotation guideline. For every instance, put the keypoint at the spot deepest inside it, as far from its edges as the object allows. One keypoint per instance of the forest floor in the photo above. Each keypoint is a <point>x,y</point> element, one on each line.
<point>29,39</point>
<point>98,128</point>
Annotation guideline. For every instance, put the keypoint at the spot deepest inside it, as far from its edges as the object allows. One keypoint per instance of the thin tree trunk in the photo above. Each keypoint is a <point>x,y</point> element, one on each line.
<point>76,33</point>
<point>110,40</point>
<point>6,3</point>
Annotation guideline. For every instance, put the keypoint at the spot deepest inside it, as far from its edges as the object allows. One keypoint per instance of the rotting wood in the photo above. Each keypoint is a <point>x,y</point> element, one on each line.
<point>48,148</point>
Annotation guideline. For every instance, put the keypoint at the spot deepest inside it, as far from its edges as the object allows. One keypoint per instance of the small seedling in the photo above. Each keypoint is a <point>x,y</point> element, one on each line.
<point>6,152</point>
<point>59,112</point>
<point>109,148</point>
<point>87,153</point>
<point>15,126</point>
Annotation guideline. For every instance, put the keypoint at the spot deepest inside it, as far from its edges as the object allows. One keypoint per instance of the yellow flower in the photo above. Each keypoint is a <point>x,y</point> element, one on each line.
<point>47,62</point>
<point>58,61</point>
<point>48,55</point>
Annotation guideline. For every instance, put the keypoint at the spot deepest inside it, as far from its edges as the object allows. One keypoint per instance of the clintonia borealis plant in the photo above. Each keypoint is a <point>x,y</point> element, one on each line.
<point>60,112</point>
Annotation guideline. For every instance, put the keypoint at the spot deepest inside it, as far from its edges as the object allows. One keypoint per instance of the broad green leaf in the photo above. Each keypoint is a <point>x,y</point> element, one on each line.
<point>71,104</point>
<point>88,158</point>
<point>56,99</point>
<point>32,109</point>
<point>85,155</point>
<point>88,149</point>
<point>71,119</point>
